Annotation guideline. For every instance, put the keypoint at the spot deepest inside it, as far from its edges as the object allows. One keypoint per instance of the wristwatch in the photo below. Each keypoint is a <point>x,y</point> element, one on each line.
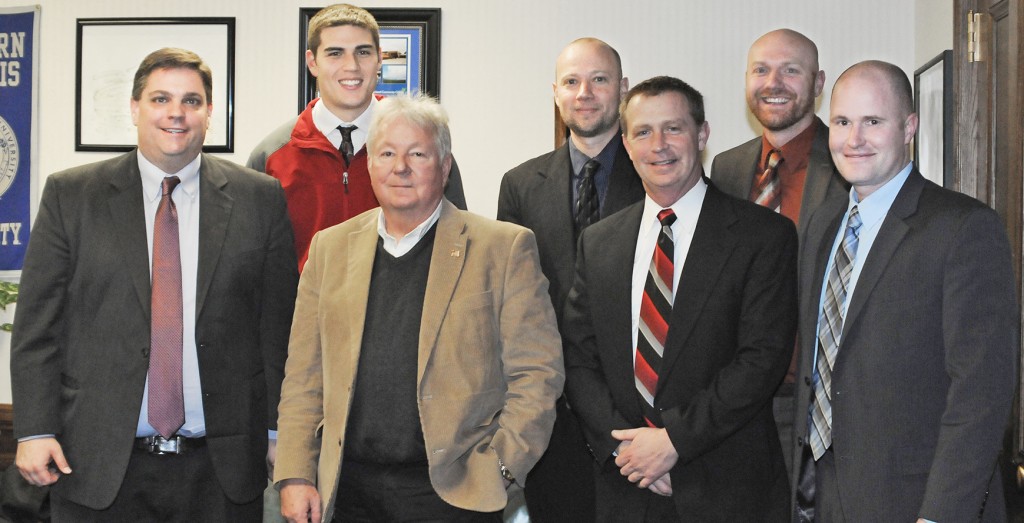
<point>505,472</point>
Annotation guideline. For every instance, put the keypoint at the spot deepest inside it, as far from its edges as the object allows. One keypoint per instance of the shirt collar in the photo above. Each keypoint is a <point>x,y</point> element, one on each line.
<point>796,151</point>
<point>414,235</point>
<point>876,205</point>
<point>326,121</point>
<point>687,208</point>
<point>153,177</point>
<point>606,157</point>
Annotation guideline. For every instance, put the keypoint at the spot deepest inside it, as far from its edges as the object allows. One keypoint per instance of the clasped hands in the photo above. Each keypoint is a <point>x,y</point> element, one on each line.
<point>645,456</point>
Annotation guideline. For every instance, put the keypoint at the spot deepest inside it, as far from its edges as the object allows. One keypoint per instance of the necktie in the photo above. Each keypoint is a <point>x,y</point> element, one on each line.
<point>767,190</point>
<point>587,206</point>
<point>655,309</point>
<point>166,406</point>
<point>346,147</point>
<point>830,330</point>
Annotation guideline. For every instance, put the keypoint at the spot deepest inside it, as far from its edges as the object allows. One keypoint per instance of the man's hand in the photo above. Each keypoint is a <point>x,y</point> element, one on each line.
<point>649,456</point>
<point>271,458</point>
<point>662,486</point>
<point>300,502</point>
<point>41,461</point>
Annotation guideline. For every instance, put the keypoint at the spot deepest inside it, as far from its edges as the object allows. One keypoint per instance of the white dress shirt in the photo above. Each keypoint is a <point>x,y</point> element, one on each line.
<point>687,209</point>
<point>327,123</point>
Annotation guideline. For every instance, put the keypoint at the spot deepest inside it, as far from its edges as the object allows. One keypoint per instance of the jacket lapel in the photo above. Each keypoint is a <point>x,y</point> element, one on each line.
<point>820,173</point>
<point>615,295</point>
<point>214,214</point>
<point>129,218</point>
<point>624,185</point>
<point>356,285</point>
<point>555,195</point>
<point>894,227</point>
<point>712,245</point>
<point>446,262</point>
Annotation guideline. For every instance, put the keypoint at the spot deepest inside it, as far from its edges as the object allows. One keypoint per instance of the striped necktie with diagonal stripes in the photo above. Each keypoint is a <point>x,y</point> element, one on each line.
<point>830,330</point>
<point>655,310</point>
<point>767,190</point>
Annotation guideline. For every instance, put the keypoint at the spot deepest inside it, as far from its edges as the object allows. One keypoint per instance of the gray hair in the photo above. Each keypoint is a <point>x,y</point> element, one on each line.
<point>420,110</point>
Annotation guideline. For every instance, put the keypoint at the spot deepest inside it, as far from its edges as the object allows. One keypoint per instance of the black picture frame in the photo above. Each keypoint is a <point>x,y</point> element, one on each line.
<point>426,22</point>
<point>109,51</point>
<point>934,105</point>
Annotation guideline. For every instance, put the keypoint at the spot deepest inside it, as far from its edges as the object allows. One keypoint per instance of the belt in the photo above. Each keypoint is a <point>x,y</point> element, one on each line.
<point>160,445</point>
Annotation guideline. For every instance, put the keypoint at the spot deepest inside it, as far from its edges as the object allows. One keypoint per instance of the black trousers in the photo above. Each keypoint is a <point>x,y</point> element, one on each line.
<point>373,492</point>
<point>167,488</point>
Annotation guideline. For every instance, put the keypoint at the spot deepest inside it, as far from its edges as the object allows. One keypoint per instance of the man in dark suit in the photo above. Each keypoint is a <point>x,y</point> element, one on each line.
<point>909,320</point>
<point>547,195</point>
<point>670,368</point>
<point>782,82</point>
<point>142,401</point>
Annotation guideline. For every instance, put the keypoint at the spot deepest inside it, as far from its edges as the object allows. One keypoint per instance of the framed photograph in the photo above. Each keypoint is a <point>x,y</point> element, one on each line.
<point>109,52</point>
<point>933,98</point>
<point>410,45</point>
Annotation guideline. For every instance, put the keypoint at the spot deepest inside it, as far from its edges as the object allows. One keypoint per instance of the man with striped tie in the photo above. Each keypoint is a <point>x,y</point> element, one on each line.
<point>909,323</point>
<point>672,366</point>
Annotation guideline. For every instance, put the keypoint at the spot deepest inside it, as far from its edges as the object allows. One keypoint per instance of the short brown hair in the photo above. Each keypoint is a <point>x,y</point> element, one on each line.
<point>172,58</point>
<point>665,84</point>
<point>340,14</point>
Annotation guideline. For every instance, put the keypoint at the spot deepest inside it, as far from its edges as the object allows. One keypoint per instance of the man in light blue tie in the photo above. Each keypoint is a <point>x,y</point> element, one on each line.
<point>908,320</point>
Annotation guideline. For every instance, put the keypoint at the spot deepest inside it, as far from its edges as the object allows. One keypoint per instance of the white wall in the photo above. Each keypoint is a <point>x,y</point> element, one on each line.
<point>497,65</point>
<point>933,29</point>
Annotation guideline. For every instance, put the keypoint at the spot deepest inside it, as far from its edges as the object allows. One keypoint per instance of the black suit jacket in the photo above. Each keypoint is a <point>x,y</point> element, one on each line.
<point>733,172</point>
<point>80,351</point>
<point>729,341</point>
<point>538,196</point>
<point>925,372</point>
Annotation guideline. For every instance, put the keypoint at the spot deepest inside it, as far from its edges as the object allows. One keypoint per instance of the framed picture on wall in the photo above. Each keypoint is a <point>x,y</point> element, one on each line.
<point>109,52</point>
<point>410,45</point>
<point>933,100</point>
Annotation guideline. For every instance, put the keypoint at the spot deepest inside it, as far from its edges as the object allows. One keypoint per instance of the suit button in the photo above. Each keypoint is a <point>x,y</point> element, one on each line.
<point>807,381</point>
<point>202,345</point>
<point>800,441</point>
<point>145,352</point>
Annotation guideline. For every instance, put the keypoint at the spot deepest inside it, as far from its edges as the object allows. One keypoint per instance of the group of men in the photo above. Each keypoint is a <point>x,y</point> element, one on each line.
<point>396,358</point>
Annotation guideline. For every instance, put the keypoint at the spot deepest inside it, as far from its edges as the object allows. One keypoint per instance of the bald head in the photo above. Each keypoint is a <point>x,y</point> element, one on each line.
<point>795,44</point>
<point>588,46</point>
<point>588,86</point>
<point>783,80</point>
<point>894,79</point>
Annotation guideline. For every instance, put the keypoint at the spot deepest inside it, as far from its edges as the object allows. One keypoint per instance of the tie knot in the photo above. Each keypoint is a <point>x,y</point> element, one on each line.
<point>590,168</point>
<point>774,158</point>
<point>168,184</point>
<point>667,217</point>
<point>854,222</point>
<point>346,131</point>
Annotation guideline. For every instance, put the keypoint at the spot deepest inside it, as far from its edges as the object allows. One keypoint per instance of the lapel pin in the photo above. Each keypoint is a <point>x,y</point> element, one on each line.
<point>455,253</point>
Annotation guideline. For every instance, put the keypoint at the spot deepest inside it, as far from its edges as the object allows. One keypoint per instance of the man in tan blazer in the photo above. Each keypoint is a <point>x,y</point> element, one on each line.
<point>424,361</point>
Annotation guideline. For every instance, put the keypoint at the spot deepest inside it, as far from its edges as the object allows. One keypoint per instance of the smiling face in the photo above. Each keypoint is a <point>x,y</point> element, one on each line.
<point>172,115</point>
<point>588,86</point>
<point>782,81</point>
<point>345,66</point>
<point>869,129</point>
<point>664,142</point>
<point>406,173</point>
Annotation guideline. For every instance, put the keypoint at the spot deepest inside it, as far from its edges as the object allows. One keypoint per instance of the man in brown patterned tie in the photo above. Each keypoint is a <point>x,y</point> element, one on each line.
<point>671,368</point>
<point>788,168</point>
<point>152,326</point>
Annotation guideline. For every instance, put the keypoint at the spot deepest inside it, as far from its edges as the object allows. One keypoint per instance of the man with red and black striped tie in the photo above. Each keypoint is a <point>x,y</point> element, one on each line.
<point>673,355</point>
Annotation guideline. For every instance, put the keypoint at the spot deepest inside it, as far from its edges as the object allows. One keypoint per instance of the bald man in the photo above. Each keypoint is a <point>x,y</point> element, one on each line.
<point>909,322</point>
<point>783,81</point>
<point>557,195</point>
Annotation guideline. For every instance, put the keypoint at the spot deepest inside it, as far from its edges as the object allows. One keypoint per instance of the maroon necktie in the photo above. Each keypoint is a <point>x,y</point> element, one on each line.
<point>166,406</point>
<point>767,190</point>
<point>655,310</point>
